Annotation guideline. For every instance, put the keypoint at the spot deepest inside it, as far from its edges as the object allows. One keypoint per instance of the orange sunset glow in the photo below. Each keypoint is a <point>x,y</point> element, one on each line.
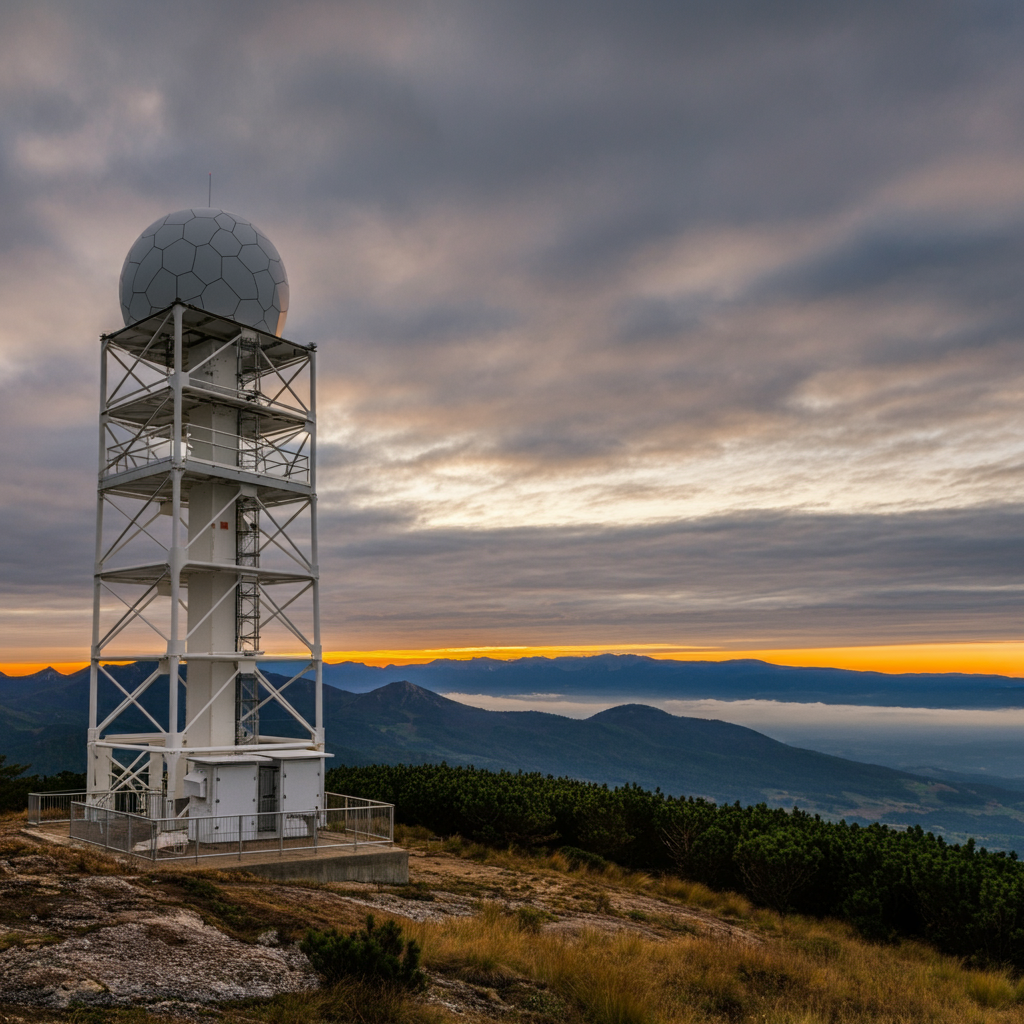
<point>1006,659</point>
<point>984,658</point>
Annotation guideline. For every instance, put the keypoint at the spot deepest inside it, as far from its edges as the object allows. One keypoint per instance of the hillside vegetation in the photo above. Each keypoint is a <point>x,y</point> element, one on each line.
<point>888,884</point>
<point>518,938</point>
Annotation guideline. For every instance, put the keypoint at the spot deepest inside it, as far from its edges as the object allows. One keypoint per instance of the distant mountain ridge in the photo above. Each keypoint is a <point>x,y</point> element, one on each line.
<point>642,677</point>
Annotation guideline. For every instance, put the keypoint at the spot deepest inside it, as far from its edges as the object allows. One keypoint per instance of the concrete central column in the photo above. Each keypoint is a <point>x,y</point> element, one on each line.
<point>213,437</point>
<point>215,543</point>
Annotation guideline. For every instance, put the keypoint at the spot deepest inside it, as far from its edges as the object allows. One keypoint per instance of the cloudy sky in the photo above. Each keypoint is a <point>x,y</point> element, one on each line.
<point>648,323</point>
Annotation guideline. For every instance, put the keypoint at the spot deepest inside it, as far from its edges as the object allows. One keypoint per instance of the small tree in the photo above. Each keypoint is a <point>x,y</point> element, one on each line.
<point>14,786</point>
<point>372,954</point>
<point>777,867</point>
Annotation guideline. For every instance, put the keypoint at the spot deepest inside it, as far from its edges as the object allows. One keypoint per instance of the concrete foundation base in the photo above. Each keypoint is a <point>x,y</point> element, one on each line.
<point>328,863</point>
<point>388,866</point>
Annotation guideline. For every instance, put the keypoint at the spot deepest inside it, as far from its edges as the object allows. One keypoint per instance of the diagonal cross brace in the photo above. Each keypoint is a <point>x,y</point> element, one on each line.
<point>216,516</point>
<point>271,538</point>
<point>122,540</point>
<point>223,597</point>
<point>279,612</point>
<point>134,611</point>
<point>125,782</point>
<point>276,695</point>
<point>131,699</point>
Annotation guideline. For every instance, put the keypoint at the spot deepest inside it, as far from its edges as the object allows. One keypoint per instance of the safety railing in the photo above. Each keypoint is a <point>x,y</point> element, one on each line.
<point>264,456</point>
<point>56,806</point>
<point>259,455</point>
<point>254,396</point>
<point>44,807</point>
<point>138,450</point>
<point>356,824</point>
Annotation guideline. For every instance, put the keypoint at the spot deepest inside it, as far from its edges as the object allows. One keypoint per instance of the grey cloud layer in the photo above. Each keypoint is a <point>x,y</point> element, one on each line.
<point>742,580</point>
<point>570,264</point>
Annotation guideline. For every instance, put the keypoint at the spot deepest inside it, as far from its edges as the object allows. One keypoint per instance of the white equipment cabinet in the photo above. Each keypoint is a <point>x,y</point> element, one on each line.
<point>302,788</point>
<point>222,795</point>
<point>302,784</point>
<point>249,796</point>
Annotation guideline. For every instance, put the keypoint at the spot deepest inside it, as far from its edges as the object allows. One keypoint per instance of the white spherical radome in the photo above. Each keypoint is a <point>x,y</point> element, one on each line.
<point>215,260</point>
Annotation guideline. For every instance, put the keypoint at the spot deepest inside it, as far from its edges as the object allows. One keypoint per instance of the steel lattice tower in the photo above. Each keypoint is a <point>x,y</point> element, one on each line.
<point>206,550</point>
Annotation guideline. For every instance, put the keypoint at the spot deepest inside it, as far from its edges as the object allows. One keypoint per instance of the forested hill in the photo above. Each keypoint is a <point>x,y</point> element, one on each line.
<point>404,723</point>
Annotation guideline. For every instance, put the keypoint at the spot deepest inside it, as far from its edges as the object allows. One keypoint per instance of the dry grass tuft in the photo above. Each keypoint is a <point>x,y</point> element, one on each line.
<point>993,990</point>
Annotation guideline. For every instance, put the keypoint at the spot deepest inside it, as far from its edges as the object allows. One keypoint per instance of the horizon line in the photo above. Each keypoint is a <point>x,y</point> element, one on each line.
<point>996,657</point>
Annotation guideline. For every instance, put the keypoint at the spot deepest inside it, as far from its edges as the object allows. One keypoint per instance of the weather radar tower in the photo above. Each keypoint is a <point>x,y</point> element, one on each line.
<point>206,688</point>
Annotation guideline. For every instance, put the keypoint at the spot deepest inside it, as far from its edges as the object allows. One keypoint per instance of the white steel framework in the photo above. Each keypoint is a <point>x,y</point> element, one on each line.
<point>206,551</point>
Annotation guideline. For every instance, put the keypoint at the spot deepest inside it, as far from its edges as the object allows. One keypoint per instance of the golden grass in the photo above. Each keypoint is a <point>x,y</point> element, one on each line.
<point>809,972</point>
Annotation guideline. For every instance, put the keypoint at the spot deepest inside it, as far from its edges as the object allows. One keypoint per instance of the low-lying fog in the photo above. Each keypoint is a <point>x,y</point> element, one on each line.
<point>927,740</point>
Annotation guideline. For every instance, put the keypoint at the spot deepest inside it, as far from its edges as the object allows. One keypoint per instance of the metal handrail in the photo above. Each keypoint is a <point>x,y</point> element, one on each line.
<point>360,822</point>
<point>55,805</point>
<point>52,806</point>
<point>252,395</point>
<point>212,446</point>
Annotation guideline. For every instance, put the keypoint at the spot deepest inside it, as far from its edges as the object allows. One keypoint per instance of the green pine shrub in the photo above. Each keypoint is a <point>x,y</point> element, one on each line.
<point>373,954</point>
<point>578,858</point>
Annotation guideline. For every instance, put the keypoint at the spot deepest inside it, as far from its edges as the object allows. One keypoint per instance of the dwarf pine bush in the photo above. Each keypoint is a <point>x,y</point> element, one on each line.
<point>373,954</point>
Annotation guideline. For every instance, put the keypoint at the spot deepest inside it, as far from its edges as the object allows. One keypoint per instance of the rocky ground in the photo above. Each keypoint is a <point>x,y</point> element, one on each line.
<point>80,931</point>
